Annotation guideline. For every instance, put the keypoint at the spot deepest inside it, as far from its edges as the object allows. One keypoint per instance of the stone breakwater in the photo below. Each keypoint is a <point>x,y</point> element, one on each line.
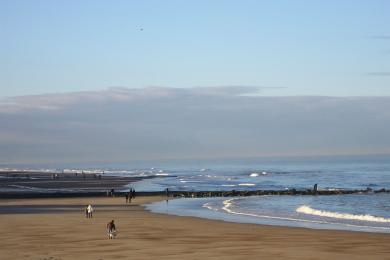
<point>233,193</point>
<point>193,194</point>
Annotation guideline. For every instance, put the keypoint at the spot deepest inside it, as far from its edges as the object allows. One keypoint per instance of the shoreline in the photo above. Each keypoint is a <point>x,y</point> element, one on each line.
<point>147,235</point>
<point>202,209</point>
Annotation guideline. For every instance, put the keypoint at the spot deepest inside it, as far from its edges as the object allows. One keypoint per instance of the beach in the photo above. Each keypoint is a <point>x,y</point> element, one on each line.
<point>58,229</point>
<point>53,182</point>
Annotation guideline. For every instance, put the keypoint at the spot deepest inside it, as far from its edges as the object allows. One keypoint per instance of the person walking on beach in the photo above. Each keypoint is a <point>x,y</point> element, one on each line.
<point>127,197</point>
<point>111,229</point>
<point>132,193</point>
<point>90,211</point>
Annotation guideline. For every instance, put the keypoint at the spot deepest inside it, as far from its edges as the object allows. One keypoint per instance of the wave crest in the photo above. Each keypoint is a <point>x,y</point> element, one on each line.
<point>310,211</point>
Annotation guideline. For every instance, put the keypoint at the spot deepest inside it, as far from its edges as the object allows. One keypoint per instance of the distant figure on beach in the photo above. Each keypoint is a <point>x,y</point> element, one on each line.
<point>127,197</point>
<point>167,195</point>
<point>133,193</point>
<point>112,193</point>
<point>315,188</point>
<point>111,229</point>
<point>90,211</point>
<point>86,211</point>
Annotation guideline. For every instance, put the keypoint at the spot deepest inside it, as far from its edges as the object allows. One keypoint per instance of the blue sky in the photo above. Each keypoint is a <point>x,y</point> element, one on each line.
<point>337,48</point>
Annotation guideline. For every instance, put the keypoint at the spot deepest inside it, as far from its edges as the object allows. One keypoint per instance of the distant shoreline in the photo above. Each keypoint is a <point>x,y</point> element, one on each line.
<point>32,184</point>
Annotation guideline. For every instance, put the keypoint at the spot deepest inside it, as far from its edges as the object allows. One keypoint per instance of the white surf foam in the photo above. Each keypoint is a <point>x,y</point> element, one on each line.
<point>246,184</point>
<point>310,211</point>
<point>161,174</point>
<point>228,207</point>
<point>256,174</point>
<point>209,206</point>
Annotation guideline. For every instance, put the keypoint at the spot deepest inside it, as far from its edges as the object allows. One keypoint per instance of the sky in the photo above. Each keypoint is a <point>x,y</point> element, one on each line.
<point>118,81</point>
<point>332,48</point>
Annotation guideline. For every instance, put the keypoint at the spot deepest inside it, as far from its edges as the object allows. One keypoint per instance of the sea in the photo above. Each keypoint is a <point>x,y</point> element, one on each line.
<point>369,212</point>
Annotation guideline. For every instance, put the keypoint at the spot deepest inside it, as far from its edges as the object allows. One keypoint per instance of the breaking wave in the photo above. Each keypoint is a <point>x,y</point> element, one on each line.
<point>228,207</point>
<point>310,211</point>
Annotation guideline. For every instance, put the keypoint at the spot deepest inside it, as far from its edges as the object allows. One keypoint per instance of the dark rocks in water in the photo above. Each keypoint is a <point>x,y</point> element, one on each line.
<point>235,193</point>
<point>193,194</point>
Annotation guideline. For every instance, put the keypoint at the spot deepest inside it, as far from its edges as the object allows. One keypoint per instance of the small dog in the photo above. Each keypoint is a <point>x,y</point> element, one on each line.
<point>112,234</point>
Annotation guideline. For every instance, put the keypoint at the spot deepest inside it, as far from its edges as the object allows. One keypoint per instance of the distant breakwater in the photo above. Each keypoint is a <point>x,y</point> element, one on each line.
<point>188,194</point>
<point>234,193</point>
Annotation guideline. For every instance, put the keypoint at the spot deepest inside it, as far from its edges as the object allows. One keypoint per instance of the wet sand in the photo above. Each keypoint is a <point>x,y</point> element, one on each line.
<point>41,183</point>
<point>57,229</point>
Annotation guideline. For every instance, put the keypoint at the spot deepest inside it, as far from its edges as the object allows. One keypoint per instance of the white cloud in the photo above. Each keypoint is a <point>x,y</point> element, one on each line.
<point>62,100</point>
<point>120,124</point>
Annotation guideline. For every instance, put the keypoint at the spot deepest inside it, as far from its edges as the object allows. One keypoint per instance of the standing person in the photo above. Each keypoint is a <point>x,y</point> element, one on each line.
<point>90,211</point>
<point>86,211</point>
<point>127,197</point>
<point>133,193</point>
<point>130,194</point>
<point>111,229</point>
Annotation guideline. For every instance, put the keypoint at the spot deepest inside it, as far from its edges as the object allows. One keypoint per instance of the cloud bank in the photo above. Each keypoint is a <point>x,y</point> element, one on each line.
<point>124,125</point>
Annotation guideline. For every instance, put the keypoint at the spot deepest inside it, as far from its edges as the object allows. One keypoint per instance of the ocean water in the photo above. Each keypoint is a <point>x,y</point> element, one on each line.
<point>250,174</point>
<point>334,173</point>
<point>359,212</point>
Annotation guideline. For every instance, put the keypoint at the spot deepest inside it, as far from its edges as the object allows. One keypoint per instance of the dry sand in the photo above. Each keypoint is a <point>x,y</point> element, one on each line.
<point>67,234</point>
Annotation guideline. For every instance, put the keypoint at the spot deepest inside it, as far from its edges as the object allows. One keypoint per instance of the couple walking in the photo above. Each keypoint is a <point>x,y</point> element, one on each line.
<point>130,195</point>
